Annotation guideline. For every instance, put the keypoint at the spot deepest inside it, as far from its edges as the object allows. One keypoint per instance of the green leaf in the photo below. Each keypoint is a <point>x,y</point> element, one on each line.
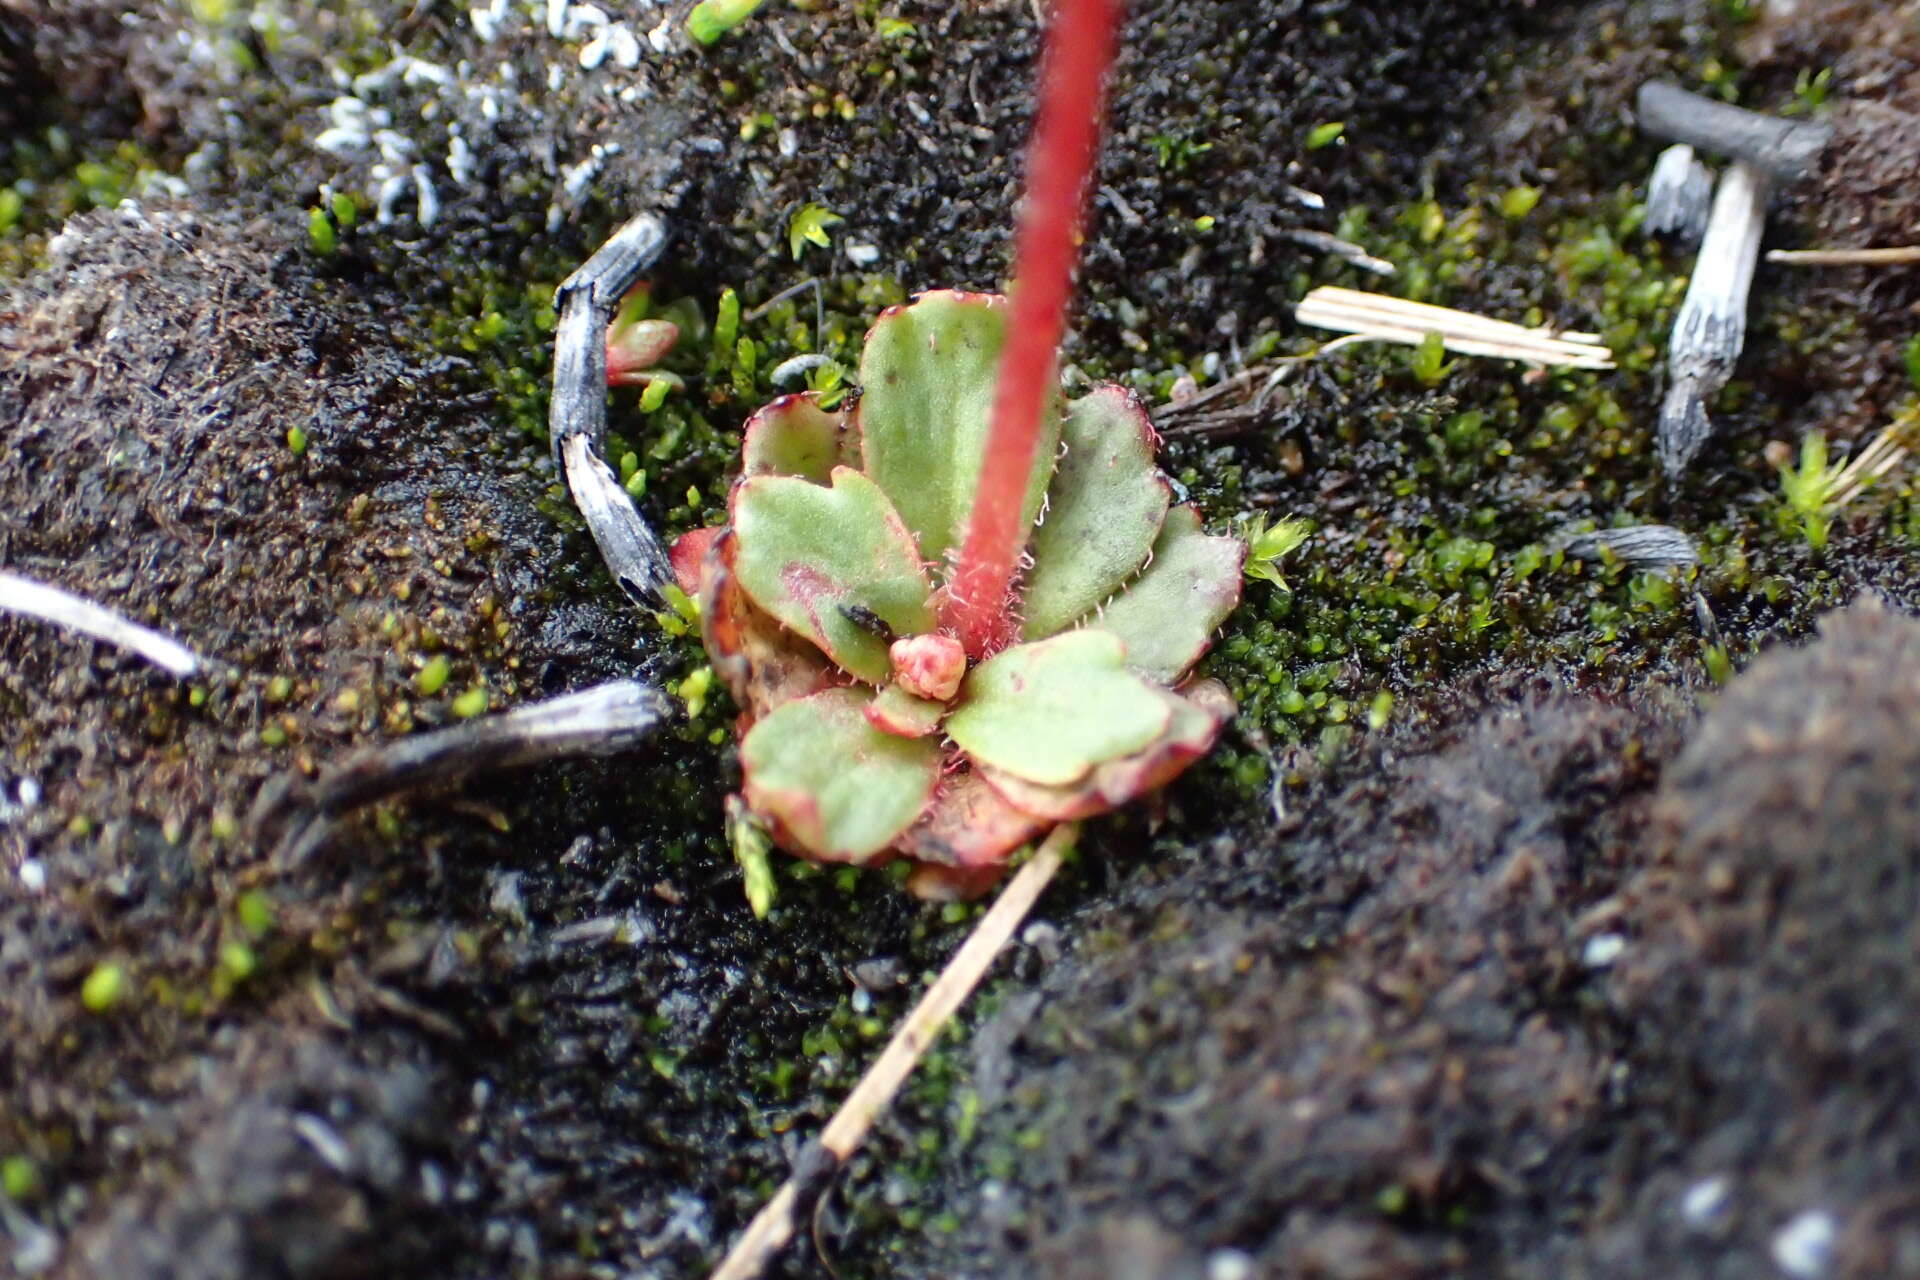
<point>809,226</point>
<point>835,784</point>
<point>794,436</point>
<point>969,824</point>
<point>1049,711</point>
<point>902,714</point>
<point>711,19</point>
<point>927,377</point>
<point>1190,733</point>
<point>1325,135</point>
<point>1268,545</point>
<point>830,563</point>
<point>1166,615</point>
<point>1104,509</point>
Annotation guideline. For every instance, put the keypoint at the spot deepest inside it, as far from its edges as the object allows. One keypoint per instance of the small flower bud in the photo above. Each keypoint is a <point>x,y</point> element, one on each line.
<point>929,666</point>
<point>634,348</point>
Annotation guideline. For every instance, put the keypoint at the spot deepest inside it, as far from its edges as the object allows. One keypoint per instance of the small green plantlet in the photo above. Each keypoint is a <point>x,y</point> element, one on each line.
<point>894,28</point>
<point>471,703</point>
<point>753,850</point>
<point>1810,90</point>
<point>1911,353</point>
<point>870,732</point>
<point>105,987</point>
<point>296,441</point>
<point>635,344</point>
<point>682,614</point>
<point>432,678</point>
<point>809,226</point>
<point>1518,202</point>
<point>321,233</point>
<point>1809,489</point>
<point>12,205</point>
<point>1268,545</point>
<point>1175,154</point>
<point>1325,135</point>
<point>1429,361</point>
<point>711,19</point>
<point>1719,665</point>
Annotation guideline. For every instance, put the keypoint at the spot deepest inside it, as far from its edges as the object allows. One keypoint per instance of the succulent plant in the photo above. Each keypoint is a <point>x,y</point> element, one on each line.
<point>868,733</point>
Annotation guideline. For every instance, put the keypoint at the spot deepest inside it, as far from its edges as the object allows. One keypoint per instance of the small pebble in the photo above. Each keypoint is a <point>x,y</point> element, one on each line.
<point>1706,1201</point>
<point>1603,950</point>
<point>1229,1264</point>
<point>1804,1247</point>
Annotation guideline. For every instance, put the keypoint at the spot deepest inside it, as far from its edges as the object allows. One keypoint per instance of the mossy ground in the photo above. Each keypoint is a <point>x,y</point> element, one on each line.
<point>628,1058</point>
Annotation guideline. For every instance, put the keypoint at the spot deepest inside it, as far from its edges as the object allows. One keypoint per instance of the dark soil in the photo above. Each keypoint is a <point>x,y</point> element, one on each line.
<point>1533,976</point>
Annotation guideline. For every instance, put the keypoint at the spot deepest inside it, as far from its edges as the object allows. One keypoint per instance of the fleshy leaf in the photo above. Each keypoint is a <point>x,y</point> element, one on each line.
<point>688,556</point>
<point>764,665</point>
<point>902,714</point>
<point>835,785</point>
<point>1196,722</point>
<point>969,824</point>
<point>794,436</point>
<point>1167,615</point>
<point>1050,711</point>
<point>927,384</point>
<point>1104,510</point>
<point>931,882</point>
<point>833,564</point>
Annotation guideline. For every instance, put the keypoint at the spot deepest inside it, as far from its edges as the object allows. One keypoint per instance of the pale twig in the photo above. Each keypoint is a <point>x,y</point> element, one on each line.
<point>777,1222</point>
<point>1883,453</point>
<point>1388,319</point>
<point>64,609</point>
<point>1900,256</point>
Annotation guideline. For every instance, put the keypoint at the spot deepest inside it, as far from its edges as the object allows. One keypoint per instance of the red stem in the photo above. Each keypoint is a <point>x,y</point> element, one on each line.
<point>1066,135</point>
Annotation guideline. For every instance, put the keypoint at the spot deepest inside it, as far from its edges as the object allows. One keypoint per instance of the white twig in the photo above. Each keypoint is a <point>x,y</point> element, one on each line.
<point>1679,195</point>
<point>1712,325</point>
<point>777,1221</point>
<point>64,609</point>
<point>1374,315</point>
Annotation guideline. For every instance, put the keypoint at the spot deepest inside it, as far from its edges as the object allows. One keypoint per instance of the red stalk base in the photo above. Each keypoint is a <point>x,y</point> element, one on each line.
<point>980,607</point>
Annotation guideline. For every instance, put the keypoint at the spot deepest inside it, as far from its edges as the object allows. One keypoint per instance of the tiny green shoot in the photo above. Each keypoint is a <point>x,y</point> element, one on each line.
<point>809,226</point>
<point>1429,363</point>
<point>711,19</point>
<point>1268,545</point>
<point>1325,135</point>
<point>1809,489</point>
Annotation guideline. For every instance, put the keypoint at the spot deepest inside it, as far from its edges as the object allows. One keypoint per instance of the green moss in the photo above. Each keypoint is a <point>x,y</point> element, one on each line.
<point>105,987</point>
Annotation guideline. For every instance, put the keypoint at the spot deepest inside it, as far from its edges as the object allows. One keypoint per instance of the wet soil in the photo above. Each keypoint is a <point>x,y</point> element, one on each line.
<point>1540,973</point>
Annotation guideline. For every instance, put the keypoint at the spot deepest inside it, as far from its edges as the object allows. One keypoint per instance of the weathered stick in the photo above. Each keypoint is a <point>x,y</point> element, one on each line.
<point>780,1218</point>
<point>600,721</point>
<point>32,599</point>
<point>1783,149</point>
<point>1679,195</point>
<point>577,415</point>
<point>1644,546</point>
<point>1712,326</point>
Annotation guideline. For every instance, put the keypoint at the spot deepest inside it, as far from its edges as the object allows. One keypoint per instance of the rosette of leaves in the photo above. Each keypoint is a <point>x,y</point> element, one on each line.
<point>867,733</point>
